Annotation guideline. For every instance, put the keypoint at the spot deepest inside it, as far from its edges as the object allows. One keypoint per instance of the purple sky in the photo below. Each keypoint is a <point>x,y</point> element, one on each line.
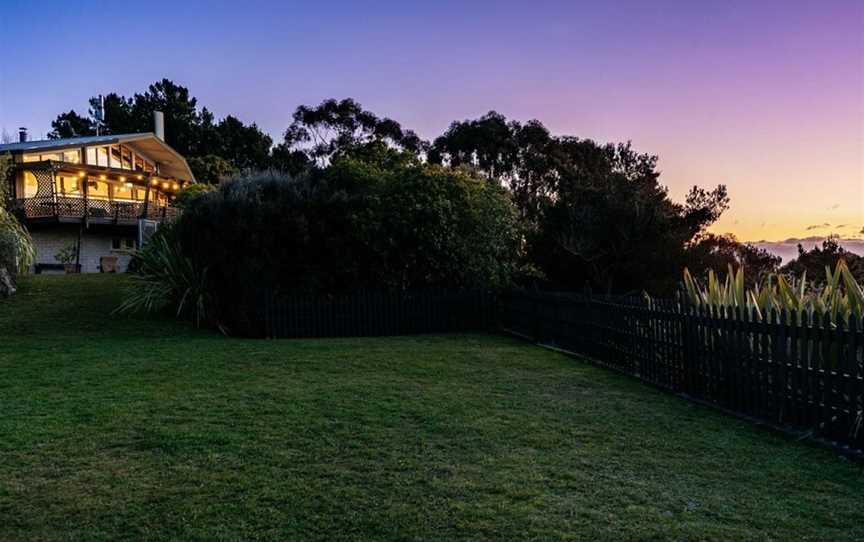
<point>767,97</point>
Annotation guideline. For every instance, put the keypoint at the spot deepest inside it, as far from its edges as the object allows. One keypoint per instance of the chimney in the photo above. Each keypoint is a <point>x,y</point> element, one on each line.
<point>22,134</point>
<point>159,125</point>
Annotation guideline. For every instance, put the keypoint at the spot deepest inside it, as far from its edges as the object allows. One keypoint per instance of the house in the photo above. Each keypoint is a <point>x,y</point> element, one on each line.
<point>96,197</point>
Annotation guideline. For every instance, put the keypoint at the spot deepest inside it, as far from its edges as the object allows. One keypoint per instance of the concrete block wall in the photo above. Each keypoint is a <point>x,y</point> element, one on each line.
<point>49,242</point>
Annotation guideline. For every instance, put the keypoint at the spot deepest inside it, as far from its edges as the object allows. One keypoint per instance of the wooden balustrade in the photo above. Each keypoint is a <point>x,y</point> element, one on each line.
<point>109,211</point>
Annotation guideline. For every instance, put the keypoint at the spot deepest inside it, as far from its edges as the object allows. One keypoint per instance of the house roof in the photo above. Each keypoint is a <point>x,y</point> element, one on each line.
<point>171,163</point>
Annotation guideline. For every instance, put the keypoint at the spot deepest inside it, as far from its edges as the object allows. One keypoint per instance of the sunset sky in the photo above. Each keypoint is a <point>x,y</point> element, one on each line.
<point>765,97</point>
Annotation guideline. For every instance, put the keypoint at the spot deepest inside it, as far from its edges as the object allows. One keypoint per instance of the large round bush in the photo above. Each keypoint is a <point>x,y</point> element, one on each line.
<point>385,221</point>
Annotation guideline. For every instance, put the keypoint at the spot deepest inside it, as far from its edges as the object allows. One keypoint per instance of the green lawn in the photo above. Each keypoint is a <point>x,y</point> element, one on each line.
<point>134,428</point>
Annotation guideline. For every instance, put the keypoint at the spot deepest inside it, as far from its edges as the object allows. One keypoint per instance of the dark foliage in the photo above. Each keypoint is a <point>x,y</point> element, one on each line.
<point>710,251</point>
<point>193,132</point>
<point>343,126</point>
<point>392,222</point>
<point>814,261</point>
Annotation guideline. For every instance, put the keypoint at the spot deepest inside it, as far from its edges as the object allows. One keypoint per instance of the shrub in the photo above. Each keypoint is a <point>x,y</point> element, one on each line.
<point>17,252</point>
<point>838,299</point>
<point>165,278</point>
<point>380,220</point>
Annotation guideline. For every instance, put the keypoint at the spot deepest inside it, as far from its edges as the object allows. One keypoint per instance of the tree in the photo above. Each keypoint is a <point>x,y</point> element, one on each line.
<point>521,157</point>
<point>246,147</point>
<point>718,252</point>
<point>813,262</point>
<point>287,160</point>
<point>71,124</point>
<point>610,224</point>
<point>193,132</point>
<point>337,126</point>
<point>210,169</point>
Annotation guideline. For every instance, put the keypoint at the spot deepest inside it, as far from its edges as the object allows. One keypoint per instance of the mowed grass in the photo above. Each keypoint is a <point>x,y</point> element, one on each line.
<point>142,428</point>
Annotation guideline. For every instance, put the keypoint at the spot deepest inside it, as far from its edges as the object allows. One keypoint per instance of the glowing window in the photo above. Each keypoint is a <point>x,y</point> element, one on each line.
<point>73,157</point>
<point>31,185</point>
<point>97,190</point>
<point>127,157</point>
<point>102,156</point>
<point>122,192</point>
<point>116,161</point>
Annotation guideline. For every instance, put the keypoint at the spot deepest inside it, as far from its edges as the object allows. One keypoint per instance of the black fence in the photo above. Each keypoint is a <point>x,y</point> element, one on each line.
<point>804,376</point>
<point>379,313</point>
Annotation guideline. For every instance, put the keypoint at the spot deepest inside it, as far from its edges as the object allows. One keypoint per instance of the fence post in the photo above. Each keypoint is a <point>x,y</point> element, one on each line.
<point>687,341</point>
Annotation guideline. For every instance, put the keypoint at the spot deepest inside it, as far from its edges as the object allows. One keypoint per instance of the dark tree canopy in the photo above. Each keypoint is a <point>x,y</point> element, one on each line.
<point>71,124</point>
<point>718,252</point>
<point>338,126</point>
<point>590,214</point>
<point>596,214</point>
<point>193,132</point>
<point>814,261</point>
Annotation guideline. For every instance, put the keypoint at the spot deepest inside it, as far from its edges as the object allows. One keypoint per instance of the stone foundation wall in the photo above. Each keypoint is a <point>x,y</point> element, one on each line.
<point>93,246</point>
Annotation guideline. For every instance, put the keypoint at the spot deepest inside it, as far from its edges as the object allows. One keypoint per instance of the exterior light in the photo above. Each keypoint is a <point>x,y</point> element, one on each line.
<point>154,182</point>
<point>122,179</point>
<point>165,186</point>
<point>176,186</point>
<point>82,174</point>
<point>101,177</point>
<point>140,177</point>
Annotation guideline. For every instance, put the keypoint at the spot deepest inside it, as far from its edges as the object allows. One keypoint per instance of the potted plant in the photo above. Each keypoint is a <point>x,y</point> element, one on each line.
<point>67,256</point>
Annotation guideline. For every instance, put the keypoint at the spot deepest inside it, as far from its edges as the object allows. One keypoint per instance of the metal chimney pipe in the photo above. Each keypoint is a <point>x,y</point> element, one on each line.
<point>22,134</point>
<point>159,124</point>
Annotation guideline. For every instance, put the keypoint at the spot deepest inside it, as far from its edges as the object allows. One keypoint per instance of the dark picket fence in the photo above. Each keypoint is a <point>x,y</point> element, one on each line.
<point>379,313</point>
<point>804,377</point>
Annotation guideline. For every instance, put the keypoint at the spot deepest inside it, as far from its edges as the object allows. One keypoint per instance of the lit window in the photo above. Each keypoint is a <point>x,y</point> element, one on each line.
<point>31,185</point>
<point>31,157</point>
<point>71,186</point>
<point>102,153</point>
<point>73,157</point>
<point>51,156</point>
<point>127,157</point>
<point>115,157</point>
<point>97,190</point>
<point>122,192</point>
<point>91,155</point>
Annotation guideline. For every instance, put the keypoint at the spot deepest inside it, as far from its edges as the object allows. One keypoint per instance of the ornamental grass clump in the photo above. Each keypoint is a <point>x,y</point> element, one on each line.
<point>840,299</point>
<point>165,278</point>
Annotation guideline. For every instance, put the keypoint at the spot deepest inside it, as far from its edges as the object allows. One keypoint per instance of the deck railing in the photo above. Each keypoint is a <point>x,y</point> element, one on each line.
<point>97,209</point>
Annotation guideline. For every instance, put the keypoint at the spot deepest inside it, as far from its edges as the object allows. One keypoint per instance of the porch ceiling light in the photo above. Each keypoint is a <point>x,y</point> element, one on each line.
<point>82,174</point>
<point>102,177</point>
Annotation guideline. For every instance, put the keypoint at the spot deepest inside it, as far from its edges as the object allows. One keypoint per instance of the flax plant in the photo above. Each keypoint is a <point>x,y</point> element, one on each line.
<point>840,299</point>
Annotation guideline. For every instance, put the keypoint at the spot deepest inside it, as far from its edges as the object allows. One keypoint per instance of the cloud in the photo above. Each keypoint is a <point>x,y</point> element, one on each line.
<point>818,226</point>
<point>838,226</point>
<point>833,207</point>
